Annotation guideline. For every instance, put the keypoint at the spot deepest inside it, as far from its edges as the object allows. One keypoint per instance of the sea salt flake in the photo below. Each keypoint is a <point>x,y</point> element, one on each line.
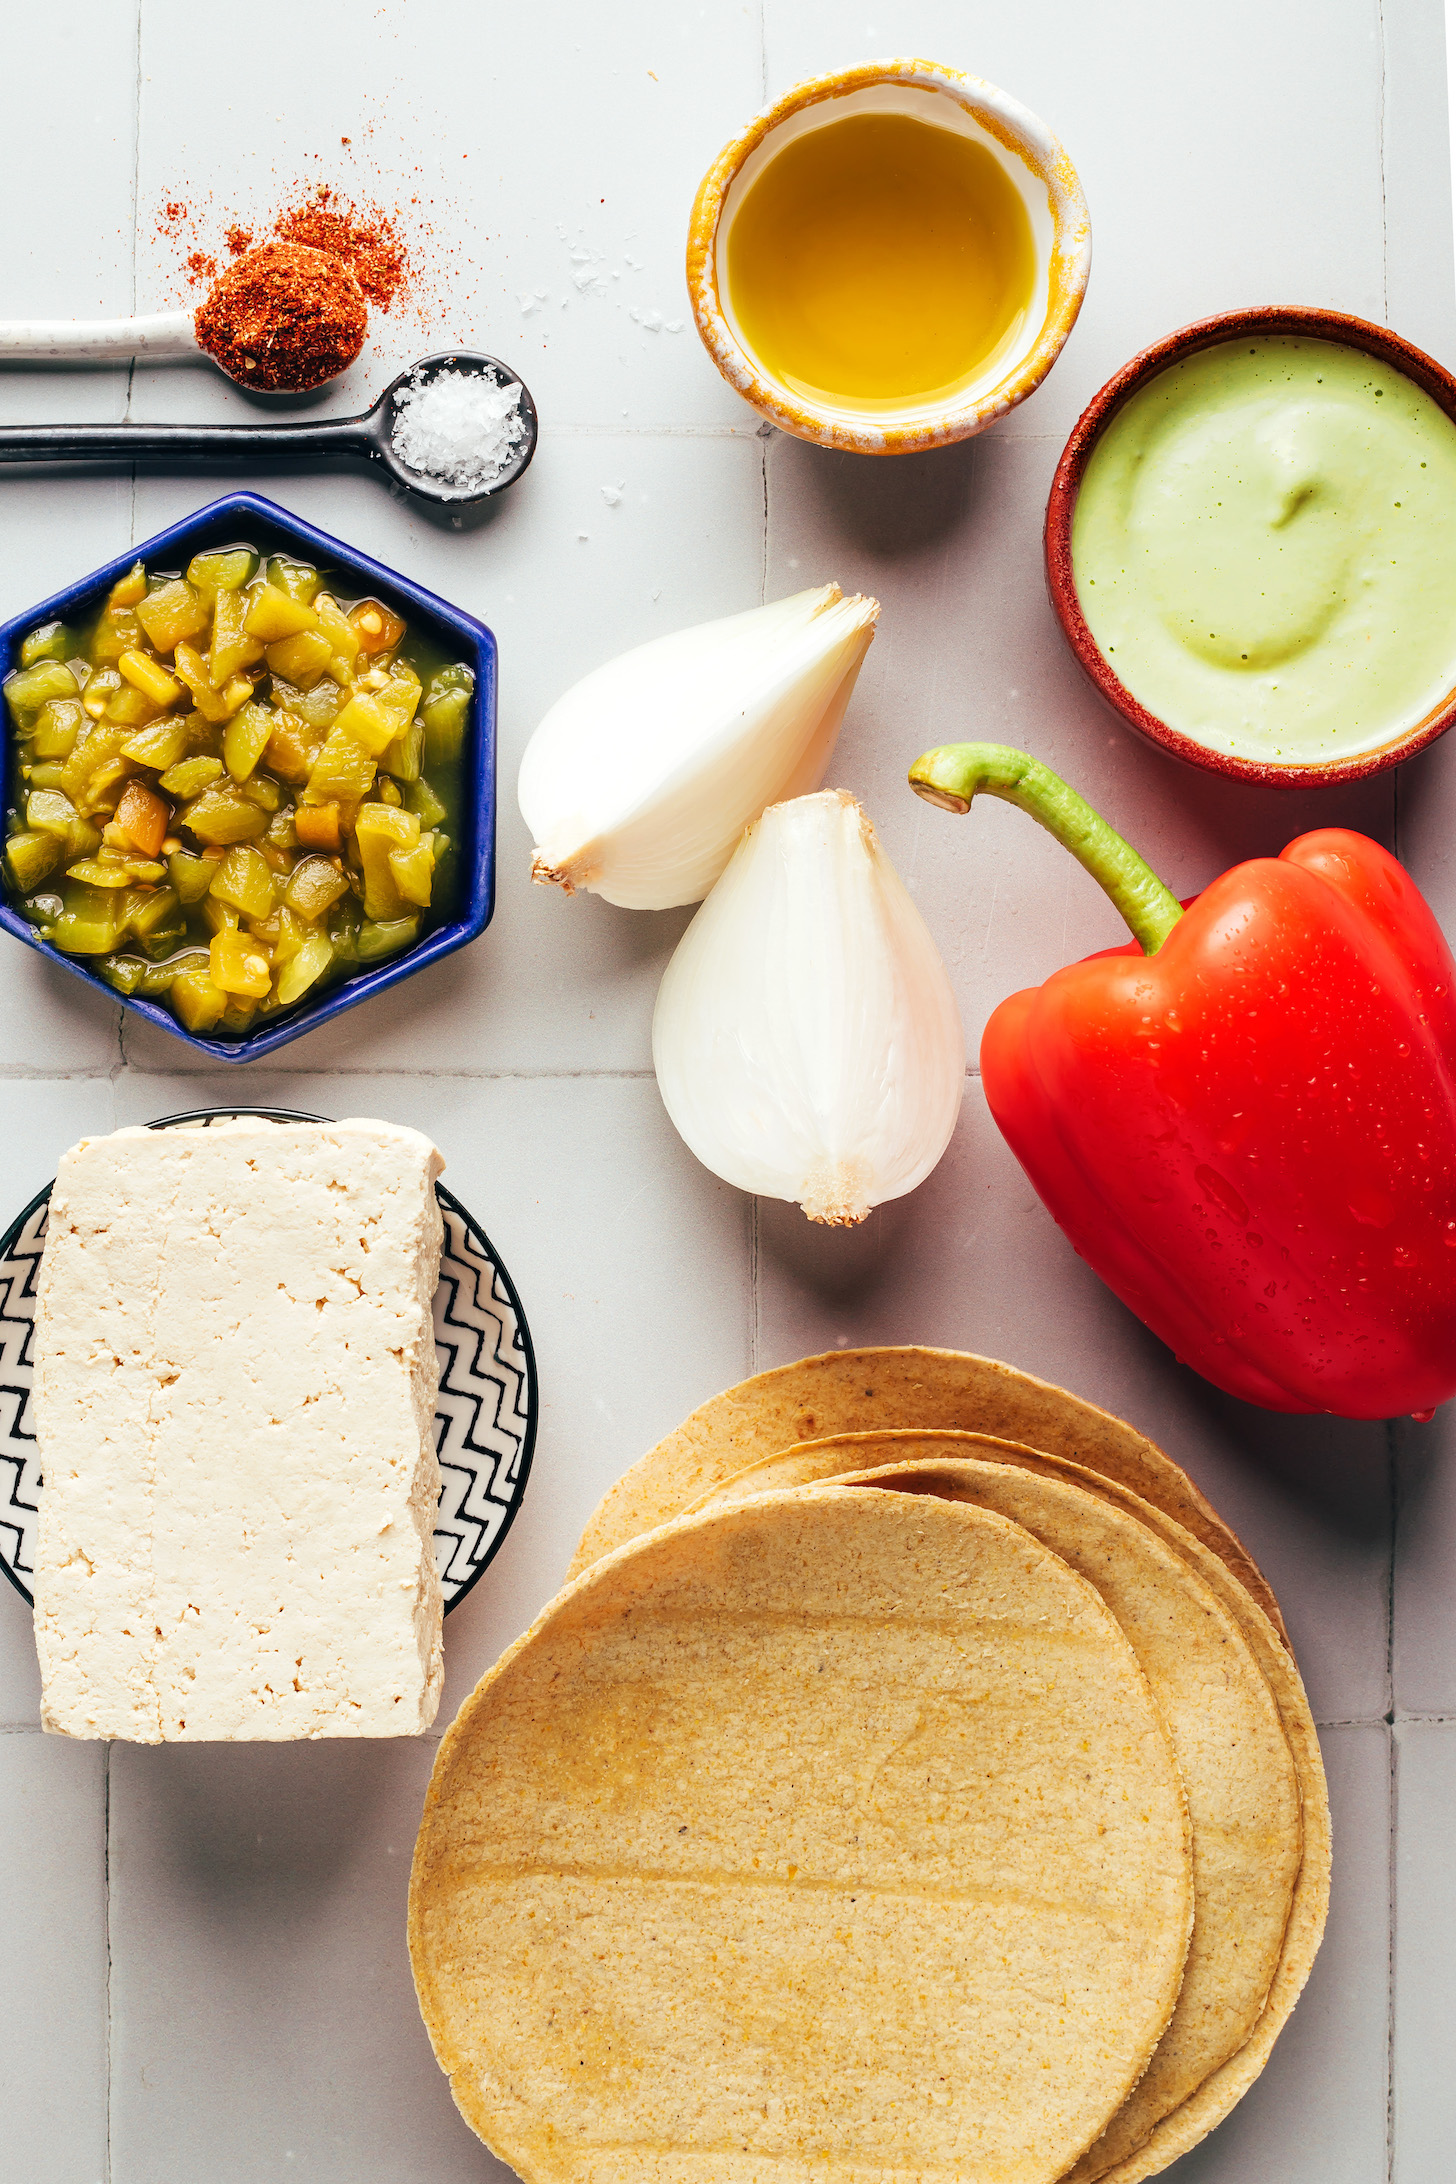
<point>584,262</point>
<point>459,428</point>
<point>612,494</point>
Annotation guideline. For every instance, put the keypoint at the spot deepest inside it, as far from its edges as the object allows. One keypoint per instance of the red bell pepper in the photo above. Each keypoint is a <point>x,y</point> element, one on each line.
<point>1245,1120</point>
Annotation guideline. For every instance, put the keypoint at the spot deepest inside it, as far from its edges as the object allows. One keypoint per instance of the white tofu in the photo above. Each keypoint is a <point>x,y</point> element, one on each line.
<point>234,1402</point>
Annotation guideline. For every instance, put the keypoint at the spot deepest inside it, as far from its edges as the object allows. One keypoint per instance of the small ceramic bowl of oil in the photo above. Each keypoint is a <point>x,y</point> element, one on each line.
<point>890,258</point>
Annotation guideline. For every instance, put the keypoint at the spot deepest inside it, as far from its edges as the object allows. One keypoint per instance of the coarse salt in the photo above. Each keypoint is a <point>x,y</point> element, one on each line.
<point>461,428</point>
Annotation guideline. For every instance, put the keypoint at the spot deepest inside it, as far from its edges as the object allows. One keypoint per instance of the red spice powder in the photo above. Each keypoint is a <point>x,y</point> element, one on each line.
<point>366,238</point>
<point>399,258</point>
<point>283,318</point>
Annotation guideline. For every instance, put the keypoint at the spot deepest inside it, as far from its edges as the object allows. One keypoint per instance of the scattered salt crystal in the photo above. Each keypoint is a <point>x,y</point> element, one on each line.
<point>612,494</point>
<point>584,262</point>
<point>460,428</point>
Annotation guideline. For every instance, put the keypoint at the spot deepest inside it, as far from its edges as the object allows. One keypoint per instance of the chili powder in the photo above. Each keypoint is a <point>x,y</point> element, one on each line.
<point>366,241</point>
<point>283,318</point>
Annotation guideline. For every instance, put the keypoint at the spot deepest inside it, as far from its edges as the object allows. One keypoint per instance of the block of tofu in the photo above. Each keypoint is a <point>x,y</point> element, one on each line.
<point>234,1401</point>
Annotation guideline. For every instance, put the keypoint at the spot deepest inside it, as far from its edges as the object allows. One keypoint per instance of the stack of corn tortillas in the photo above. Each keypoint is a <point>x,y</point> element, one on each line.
<point>912,1781</point>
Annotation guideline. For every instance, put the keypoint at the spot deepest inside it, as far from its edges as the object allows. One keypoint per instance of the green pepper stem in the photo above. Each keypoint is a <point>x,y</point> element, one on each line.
<point>957,772</point>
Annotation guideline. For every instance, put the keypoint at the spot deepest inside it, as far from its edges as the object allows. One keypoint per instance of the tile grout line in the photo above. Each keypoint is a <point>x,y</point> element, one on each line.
<point>753,1293</point>
<point>1392,1488</point>
<point>764,436</point>
<point>136,168</point>
<point>1342,1721</point>
<point>1357,1721</point>
<point>114,1071</point>
<point>584,430</point>
<point>1389,1721</point>
<point>1392,1462</point>
<point>106,1895</point>
<point>1390,1893</point>
<point>136,184</point>
<point>1391,1818</point>
<point>109,1072</point>
<point>1381,57</point>
<point>1337,1722</point>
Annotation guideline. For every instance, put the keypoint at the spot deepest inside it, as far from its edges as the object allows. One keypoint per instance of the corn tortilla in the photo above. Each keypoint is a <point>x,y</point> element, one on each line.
<point>1237,1768</point>
<point>832,1837</point>
<point>1185,2126</point>
<point>854,1391</point>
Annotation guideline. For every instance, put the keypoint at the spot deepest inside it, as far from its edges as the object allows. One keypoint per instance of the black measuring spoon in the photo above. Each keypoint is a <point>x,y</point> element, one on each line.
<point>370,437</point>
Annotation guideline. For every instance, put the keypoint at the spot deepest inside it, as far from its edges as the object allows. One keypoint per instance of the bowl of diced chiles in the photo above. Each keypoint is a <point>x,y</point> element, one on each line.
<point>250,777</point>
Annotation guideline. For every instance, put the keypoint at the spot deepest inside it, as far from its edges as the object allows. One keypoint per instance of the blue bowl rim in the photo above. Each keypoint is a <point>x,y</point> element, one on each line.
<point>478,849</point>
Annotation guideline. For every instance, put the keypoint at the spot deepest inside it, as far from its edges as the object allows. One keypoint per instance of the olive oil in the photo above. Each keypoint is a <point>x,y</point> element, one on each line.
<point>880,260</point>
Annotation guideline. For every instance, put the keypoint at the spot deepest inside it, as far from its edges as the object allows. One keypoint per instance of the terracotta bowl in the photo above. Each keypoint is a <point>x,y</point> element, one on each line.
<point>1355,333</point>
<point>1028,153</point>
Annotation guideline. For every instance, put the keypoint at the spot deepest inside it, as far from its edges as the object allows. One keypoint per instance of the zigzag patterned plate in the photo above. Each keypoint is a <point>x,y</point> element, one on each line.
<point>485,1425</point>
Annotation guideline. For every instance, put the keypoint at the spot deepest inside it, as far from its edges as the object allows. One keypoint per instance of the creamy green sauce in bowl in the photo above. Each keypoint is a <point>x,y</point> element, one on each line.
<point>1264,550</point>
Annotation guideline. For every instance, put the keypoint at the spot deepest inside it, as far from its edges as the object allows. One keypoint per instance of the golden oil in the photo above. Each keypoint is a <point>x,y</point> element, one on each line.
<point>880,260</point>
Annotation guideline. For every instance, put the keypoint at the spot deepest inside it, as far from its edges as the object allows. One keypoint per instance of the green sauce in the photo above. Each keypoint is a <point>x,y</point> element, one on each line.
<point>1264,548</point>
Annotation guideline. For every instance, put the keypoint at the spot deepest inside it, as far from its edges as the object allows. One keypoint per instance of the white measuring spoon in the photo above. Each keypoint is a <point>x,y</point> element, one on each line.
<point>99,341</point>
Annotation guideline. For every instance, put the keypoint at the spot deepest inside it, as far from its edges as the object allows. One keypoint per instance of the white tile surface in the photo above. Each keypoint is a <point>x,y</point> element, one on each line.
<point>66,241</point>
<point>58,259</point>
<point>1230,155</point>
<point>547,154</point>
<point>261,2020</point>
<point>51,1021</point>
<point>1304,2122</point>
<point>264,2019</point>
<point>1419,291</point>
<point>1425,1952</point>
<point>1423,1626</point>
<point>53,1995</point>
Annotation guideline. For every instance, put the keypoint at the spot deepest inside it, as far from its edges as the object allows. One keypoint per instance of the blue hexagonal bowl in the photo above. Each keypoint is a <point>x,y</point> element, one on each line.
<point>273,529</point>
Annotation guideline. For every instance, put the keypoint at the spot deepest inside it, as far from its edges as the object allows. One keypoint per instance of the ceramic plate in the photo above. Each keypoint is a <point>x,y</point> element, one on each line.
<point>485,1424</point>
